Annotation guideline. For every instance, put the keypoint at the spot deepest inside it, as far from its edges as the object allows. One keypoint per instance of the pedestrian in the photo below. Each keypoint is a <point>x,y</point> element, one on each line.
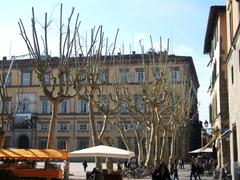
<point>193,169</point>
<point>126,165</point>
<point>181,163</point>
<point>174,170</point>
<point>161,173</point>
<point>119,166</point>
<point>85,165</point>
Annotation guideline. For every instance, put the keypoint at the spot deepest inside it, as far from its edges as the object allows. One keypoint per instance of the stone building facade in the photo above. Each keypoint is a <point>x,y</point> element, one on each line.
<point>31,124</point>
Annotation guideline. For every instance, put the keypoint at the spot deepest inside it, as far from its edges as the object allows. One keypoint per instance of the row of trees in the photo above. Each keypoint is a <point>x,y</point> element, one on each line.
<point>165,105</point>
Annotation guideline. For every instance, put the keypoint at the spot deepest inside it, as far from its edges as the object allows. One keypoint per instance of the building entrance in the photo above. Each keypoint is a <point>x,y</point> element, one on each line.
<point>23,142</point>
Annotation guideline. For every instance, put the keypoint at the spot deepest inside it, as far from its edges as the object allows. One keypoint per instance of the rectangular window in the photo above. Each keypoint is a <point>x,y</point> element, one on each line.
<point>83,126</point>
<point>140,75</point>
<point>26,78</point>
<point>65,106</point>
<point>175,74</point>
<point>124,107</point>
<point>83,77</point>
<point>43,127</point>
<point>82,106</point>
<point>138,102</point>
<point>104,76</point>
<point>83,142</point>
<point>45,105</point>
<point>47,78</point>
<point>124,75</point>
<point>156,73</point>
<point>104,103</point>
<point>62,143</point>
<point>120,143</point>
<point>8,105</point>
<point>232,73</point>
<point>63,127</point>
<point>7,81</point>
<point>42,143</point>
<point>129,125</point>
<point>100,126</point>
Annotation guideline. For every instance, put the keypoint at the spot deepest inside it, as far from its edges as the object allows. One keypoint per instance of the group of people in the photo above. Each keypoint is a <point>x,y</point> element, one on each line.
<point>162,172</point>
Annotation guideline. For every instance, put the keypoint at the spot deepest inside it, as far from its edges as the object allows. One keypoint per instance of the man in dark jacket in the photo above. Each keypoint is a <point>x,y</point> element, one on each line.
<point>161,173</point>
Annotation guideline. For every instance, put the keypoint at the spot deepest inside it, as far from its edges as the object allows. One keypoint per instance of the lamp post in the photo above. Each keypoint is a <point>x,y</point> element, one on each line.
<point>205,130</point>
<point>204,133</point>
<point>206,124</point>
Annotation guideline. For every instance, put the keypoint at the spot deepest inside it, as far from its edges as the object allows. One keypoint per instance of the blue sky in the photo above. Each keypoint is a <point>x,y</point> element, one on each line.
<point>184,22</point>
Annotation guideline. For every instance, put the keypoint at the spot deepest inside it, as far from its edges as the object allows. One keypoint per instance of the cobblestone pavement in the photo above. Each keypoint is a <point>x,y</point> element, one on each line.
<point>77,173</point>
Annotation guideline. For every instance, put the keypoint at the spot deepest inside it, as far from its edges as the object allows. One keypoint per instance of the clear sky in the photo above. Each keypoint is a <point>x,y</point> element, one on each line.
<point>183,21</point>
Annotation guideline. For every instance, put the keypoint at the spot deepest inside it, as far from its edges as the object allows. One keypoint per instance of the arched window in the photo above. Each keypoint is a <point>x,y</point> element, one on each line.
<point>25,105</point>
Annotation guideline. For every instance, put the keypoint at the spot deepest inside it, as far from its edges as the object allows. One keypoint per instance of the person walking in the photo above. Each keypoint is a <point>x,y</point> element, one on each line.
<point>161,173</point>
<point>85,165</point>
<point>193,172</point>
<point>181,163</point>
<point>174,170</point>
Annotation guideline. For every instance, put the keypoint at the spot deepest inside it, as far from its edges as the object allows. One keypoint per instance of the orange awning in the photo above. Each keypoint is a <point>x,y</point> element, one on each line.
<point>34,154</point>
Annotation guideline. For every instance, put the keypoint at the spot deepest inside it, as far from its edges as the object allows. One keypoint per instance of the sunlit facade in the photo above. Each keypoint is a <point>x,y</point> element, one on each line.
<point>31,124</point>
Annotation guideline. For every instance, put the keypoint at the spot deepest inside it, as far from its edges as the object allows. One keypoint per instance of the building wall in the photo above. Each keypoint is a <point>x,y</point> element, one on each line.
<point>73,126</point>
<point>234,6</point>
<point>234,102</point>
<point>234,82</point>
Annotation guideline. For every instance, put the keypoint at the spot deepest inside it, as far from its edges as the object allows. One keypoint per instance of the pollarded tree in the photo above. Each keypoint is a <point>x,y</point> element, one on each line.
<point>8,110</point>
<point>57,77</point>
<point>93,78</point>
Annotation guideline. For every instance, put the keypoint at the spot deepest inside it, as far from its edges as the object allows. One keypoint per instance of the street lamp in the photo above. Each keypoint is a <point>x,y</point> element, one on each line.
<point>206,124</point>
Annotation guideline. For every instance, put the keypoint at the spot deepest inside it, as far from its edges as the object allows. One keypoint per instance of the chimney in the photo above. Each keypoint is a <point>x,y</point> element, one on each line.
<point>134,52</point>
<point>4,58</point>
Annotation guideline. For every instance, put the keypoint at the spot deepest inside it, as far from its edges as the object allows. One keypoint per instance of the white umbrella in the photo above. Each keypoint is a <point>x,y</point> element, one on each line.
<point>103,151</point>
<point>202,150</point>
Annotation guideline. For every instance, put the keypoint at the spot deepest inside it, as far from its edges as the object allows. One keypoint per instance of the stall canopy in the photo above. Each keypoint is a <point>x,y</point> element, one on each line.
<point>34,154</point>
<point>103,151</point>
<point>202,150</point>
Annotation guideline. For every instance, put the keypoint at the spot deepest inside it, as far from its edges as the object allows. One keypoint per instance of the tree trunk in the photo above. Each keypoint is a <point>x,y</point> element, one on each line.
<point>109,164</point>
<point>94,130</point>
<point>109,161</point>
<point>148,135</point>
<point>2,138</point>
<point>164,149</point>
<point>52,128</point>
<point>124,138</point>
<point>140,147</point>
<point>173,148</point>
<point>150,155</point>
<point>157,147</point>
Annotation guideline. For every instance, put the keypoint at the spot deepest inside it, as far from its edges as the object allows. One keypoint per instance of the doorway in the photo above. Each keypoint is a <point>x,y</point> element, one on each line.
<point>23,142</point>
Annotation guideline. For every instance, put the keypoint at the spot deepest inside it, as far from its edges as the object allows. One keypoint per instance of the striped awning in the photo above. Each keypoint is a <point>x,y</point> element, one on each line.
<point>34,154</point>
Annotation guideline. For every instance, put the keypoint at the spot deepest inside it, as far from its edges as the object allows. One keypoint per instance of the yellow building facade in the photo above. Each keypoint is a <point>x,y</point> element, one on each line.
<point>31,124</point>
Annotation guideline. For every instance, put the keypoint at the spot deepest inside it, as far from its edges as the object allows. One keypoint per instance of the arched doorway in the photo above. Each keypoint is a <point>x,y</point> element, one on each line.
<point>23,142</point>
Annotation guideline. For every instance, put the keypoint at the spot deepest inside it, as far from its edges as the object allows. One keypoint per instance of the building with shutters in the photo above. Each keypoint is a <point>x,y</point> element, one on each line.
<point>31,124</point>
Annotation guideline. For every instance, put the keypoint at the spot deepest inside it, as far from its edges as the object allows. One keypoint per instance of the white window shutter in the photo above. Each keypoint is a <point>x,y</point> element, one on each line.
<point>77,127</point>
<point>68,127</point>
<point>9,106</point>
<point>78,106</point>
<point>49,106</point>
<point>58,127</point>
<point>68,106</point>
<point>40,107</point>
<point>39,126</point>
<point>88,127</point>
